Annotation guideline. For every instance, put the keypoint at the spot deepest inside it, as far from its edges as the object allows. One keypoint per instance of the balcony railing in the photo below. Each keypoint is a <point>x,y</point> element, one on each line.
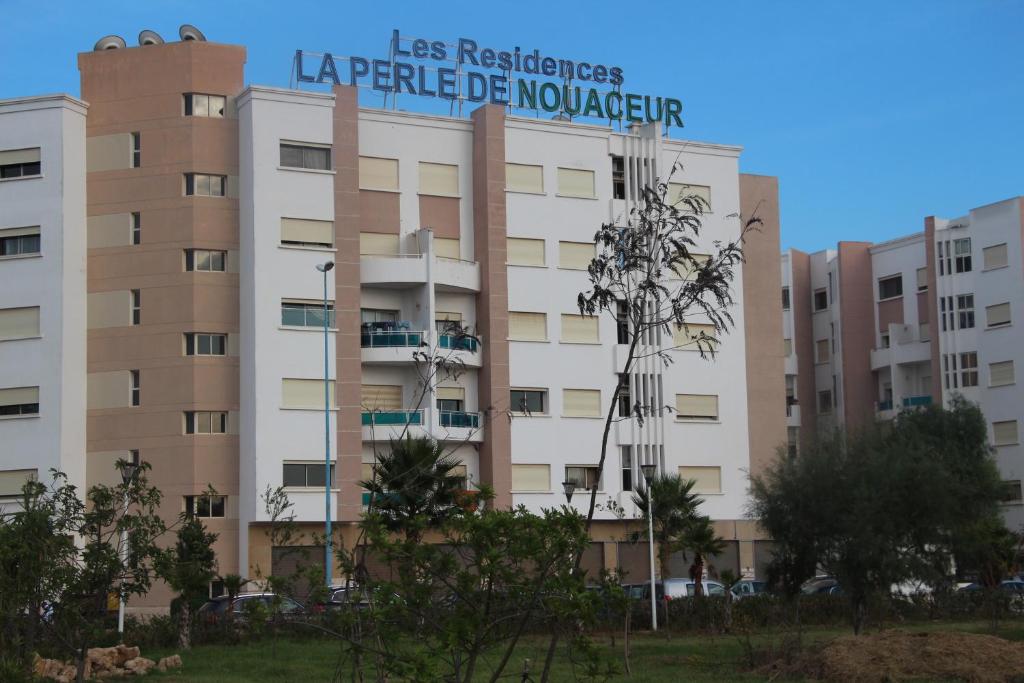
<point>915,401</point>
<point>380,339</point>
<point>390,418</point>
<point>460,419</point>
<point>458,342</point>
<point>884,405</point>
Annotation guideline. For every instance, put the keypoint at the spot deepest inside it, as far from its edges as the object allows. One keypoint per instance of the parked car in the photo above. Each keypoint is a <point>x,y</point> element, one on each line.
<point>674,589</point>
<point>747,587</point>
<point>1012,586</point>
<point>216,609</point>
<point>821,585</point>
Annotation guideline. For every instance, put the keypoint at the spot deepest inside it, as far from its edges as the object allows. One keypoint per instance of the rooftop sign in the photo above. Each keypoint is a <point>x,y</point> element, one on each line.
<point>466,70</point>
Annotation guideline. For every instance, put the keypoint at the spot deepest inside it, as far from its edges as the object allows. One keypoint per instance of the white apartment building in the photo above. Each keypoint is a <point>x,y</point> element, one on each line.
<point>42,301</point>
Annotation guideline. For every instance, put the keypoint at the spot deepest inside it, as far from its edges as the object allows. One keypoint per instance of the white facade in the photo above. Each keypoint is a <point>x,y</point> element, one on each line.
<point>45,356</point>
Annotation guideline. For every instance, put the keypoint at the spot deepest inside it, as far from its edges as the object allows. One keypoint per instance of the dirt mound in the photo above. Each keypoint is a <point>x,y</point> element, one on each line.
<point>903,656</point>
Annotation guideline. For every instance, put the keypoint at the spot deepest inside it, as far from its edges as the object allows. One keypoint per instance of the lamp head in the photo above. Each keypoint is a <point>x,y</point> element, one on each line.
<point>324,267</point>
<point>569,487</point>
<point>648,472</point>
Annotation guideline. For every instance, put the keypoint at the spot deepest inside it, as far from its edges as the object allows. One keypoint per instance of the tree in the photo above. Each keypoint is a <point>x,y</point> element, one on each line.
<point>413,485</point>
<point>188,569</point>
<point>675,506</point>
<point>699,538</point>
<point>882,505</point>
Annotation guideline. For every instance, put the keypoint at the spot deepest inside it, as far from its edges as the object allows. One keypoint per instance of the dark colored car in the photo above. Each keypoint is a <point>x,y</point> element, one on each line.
<point>1011,586</point>
<point>747,587</point>
<point>216,609</point>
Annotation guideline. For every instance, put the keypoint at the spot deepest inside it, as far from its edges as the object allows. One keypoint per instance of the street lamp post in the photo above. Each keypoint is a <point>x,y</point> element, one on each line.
<point>569,487</point>
<point>648,472</point>
<point>128,472</point>
<point>325,268</point>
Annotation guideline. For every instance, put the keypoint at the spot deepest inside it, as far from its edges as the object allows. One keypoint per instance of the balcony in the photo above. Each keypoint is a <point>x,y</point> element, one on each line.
<point>917,401</point>
<point>406,270</point>
<point>884,406</point>
<point>793,415</point>
<point>391,418</point>
<point>459,419</point>
<point>381,425</point>
<point>390,345</point>
<point>458,343</point>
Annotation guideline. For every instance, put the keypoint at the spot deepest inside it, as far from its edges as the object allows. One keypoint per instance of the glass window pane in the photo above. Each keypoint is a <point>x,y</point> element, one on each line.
<point>217,344</point>
<point>203,185</point>
<point>188,104</point>
<point>314,316</point>
<point>315,475</point>
<point>294,475</point>
<point>217,103</point>
<point>217,261</point>
<point>222,427</point>
<point>291,156</point>
<point>217,506</point>
<point>204,420</point>
<point>293,314</point>
<point>217,186</point>
<point>201,105</point>
<point>202,259</point>
<point>204,344</point>
<point>203,506</point>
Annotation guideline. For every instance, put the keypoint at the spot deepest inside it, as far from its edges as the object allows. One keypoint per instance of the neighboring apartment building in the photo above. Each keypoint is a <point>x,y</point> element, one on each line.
<point>874,329</point>
<point>213,211</point>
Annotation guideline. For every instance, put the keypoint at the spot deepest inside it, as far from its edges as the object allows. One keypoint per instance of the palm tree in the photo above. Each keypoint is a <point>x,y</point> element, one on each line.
<point>700,538</point>
<point>675,506</point>
<point>413,485</point>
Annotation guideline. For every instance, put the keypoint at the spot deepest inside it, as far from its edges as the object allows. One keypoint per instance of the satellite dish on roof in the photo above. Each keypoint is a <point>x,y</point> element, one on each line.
<point>148,37</point>
<point>109,43</point>
<point>190,32</point>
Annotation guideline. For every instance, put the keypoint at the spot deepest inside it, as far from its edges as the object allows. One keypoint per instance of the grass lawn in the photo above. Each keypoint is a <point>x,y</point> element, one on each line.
<point>654,658</point>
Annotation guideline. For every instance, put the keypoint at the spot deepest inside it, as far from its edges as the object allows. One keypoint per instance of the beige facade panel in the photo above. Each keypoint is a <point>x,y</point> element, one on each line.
<point>307,394</point>
<point>381,397</point>
<point>706,479</point>
<point>1001,373</point>
<point>109,230</point>
<point>523,326</point>
<point>581,403</point>
<point>378,174</point>
<point>575,182</point>
<point>307,231</point>
<point>15,396</point>
<point>679,191</point>
<point>109,309</point>
<point>531,478</point>
<point>685,337</point>
<point>524,178</point>
<point>697,406</point>
<point>922,279</point>
<point>576,255</point>
<point>451,393</point>
<point>1004,433</point>
<point>524,252</point>
<point>19,323</point>
<point>448,316</point>
<point>995,256</point>
<point>108,152</point>
<point>580,329</point>
<point>998,314</point>
<point>109,389</point>
<point>439,179</point>
<point>442,215</point>
<point>379,211</point>
<point>12,481</point>
<point>376,244</point>
<point>19,156</point>
<point>447,248</point>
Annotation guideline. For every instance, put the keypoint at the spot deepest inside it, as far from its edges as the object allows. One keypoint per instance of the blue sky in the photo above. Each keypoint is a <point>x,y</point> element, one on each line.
<point>872,114</point>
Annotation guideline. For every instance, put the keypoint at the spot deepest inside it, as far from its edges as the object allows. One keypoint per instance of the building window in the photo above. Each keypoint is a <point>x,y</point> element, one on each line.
<point>962,255</point>
<point>792,441</point>
<point>965,310</point>
<point>305,314</point>
<point>19,323</point>
<point>136,388</point>
<point>820,299</point>
<point>626,460</point>
<point>825,402</point>
<point>697,407</point>
<point>524,178</point>
<point>1011,491</point>
<point>952,378</point>
<point>20,163</point>
<point>206,422</point>
<point>581,403</point>
<point>575,182</point>
<point>19,241</point>
<point>205,506</point>
<point>19,401</point>
<point>821,349</point>
<point>579,329</point>
<point>301,232</point>
<point>524,252</point>
<point>785,298</point>
<point>969,369</point>
<point>576,255</point>
<point>625,401</point>
<point>204,185</point>
<point>305,474</point>
<point>205,260</point>
<point>12,482</point>
<point>997,315</point>
<point>531,478</point>
<point>212,106</point>
<point>205,344</point>
<point>1004,433</point>
<point>922,279</point>
<point>136,228</point>
<point>621,322</point>
<point>585,477</point>
<point>945,258</point>
<point>378,174</point>
<point>885,340</point>
<point>1001,374</point>
<point>136,307</point>
<point>306,156</point>
<point>705,479</point>
<point>524,326</point>
<point>619,187</point>
<point>995,256</point>
<point>136,150</point>
<point>529,401</point>
<point>890,287</point>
